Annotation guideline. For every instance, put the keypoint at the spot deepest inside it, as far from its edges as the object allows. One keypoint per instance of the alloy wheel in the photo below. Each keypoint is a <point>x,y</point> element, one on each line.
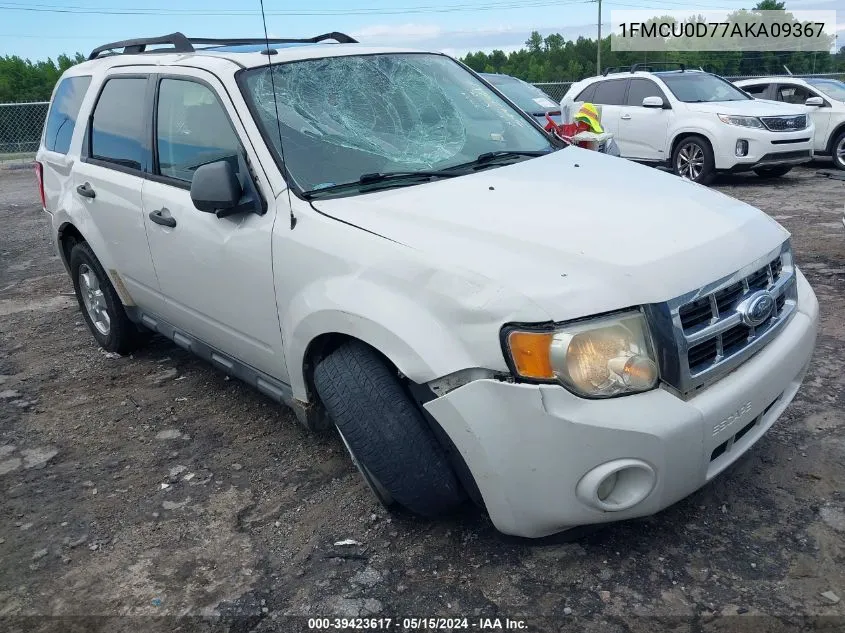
<point>690,161</point>
<point>94,300</point>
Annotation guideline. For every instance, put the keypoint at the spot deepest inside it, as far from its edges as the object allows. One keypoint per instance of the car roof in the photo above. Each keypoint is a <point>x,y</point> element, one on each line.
<point>242,55</point>
<point>769,80</point>
<point>647,73</point>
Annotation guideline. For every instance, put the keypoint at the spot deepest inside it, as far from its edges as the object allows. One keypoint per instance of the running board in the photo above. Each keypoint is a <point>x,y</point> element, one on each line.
<point>274,389</point>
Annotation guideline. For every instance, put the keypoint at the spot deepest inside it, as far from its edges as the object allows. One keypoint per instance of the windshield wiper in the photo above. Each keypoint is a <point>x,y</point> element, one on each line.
<point>391,177</point>
<point>488,157</point>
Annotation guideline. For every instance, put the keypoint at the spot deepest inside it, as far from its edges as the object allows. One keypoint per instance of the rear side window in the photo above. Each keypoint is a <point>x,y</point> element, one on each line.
<point>192,129</point>
<point>119,122</point>
<point>757,90</point>
<point>587,93</point>
<point>610,92</point>
<point>642,88</point>
<point>63,113</point>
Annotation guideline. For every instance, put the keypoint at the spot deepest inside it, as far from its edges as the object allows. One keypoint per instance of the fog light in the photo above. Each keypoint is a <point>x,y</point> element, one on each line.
<point>742,148</point>
<point>606,486</point>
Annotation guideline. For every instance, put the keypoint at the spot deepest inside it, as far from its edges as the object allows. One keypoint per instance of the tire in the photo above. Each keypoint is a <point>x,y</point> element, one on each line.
<point>385,433</point>
<point>99,303</point>
<point>692,159</point>
<point>773,172</point>
<point>837,150</point>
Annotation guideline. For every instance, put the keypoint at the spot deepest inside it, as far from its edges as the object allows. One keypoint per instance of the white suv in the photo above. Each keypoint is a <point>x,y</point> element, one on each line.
<point>823,95</point>
<point>697,123</point>
<point>376,238</point>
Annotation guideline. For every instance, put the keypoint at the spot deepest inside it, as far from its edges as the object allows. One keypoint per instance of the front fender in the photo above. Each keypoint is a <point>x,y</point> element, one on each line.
<point>420,343</point>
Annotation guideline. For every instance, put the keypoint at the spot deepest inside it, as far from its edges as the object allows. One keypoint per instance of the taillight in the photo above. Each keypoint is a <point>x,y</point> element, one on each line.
<point>39,175</point>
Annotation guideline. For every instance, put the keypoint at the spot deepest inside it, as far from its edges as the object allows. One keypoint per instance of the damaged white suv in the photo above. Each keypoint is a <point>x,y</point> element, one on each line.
<point>377,238</point>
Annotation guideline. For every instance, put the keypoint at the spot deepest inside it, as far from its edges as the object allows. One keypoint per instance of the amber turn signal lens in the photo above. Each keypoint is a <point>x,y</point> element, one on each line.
<point>530,353</point>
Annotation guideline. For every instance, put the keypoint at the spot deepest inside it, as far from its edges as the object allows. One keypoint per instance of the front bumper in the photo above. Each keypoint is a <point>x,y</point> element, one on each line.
<point>529,446</point>
<point>765,148</point>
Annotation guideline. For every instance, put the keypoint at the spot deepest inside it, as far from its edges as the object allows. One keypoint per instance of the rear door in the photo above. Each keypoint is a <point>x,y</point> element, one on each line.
<point>610,95</point>
<point>216,274</point>
<point>789,92</point>
<point>643,131</point>
<point>108,179</point>
<point>57,136</point>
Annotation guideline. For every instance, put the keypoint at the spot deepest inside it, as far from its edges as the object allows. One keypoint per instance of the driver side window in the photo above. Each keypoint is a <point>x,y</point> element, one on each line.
<point>192,129</point>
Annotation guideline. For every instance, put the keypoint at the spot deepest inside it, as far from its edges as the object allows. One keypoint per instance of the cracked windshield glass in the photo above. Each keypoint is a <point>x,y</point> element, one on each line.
<point>342,117</point>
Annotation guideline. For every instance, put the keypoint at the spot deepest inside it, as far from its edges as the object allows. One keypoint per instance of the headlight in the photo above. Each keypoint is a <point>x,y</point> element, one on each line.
<point>597,358</point>
<point>743,121</point>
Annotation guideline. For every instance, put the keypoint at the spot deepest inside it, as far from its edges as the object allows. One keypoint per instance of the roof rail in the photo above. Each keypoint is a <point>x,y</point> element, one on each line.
<point>647,65</point>
<point>613,69</point>
<point>183,44</point>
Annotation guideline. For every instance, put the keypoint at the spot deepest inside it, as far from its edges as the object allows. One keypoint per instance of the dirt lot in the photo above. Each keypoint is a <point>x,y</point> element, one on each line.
<point>153,486</point>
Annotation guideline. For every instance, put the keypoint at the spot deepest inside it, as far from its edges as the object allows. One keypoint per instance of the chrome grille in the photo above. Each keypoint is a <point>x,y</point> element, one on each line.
<point>785,123</point>
<point>707,333</point>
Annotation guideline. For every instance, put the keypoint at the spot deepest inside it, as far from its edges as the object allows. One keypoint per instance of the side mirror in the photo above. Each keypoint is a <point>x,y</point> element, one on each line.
<point>653,102</point>
<point>817,102</point>
<point>215,188</point>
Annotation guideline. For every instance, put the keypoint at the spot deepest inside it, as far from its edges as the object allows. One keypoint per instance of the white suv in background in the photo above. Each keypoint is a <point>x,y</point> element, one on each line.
<point>824,96</point>
<point>696,123</point>
<point>376,238</point>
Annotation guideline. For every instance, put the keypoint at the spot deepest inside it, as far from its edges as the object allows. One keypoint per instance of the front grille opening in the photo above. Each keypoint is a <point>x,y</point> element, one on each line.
<point>744,430</point>
<point>780,302</point>
<point>777,267</point>
<point>696,313</point>
<point>735,339</point>
<point>703,355</point>
<point>719,450</point>
<point>722,448</point>
<point>728,297</point>
<point>759,280</point>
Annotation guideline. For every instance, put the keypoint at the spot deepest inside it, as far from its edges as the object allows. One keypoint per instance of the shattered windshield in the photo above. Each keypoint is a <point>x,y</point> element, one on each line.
<point>342,117</point>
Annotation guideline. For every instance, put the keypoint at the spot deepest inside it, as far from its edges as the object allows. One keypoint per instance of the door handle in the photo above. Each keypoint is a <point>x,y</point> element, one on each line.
<point>86,190</point>
<point>626,117</point>
<point>165,220</point>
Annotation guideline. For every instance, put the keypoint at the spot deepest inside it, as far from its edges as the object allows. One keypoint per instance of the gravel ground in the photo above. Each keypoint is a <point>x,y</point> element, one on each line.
<point>151,486</point>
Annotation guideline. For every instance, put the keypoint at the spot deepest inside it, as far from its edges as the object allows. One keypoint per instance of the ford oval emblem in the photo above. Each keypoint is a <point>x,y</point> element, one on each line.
<point>757,308</point>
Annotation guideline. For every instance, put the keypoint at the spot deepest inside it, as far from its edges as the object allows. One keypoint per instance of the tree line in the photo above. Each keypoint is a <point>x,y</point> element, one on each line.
<point>553,58</point>
<point>542,59</point>
<point>24,80</point>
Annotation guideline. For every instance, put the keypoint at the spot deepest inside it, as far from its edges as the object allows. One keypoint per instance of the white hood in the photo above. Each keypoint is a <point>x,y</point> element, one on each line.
<point>577,232</point>
<point>750,107</point>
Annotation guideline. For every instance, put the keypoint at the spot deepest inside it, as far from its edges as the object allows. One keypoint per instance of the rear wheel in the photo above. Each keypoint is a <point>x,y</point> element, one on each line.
<point>773,172</point>
<point>384,431</point>
<point>693,160</point>
<point>100,305</point>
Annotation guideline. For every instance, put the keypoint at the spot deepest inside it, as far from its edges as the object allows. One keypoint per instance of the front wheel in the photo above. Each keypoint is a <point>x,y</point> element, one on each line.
<point>693,160</point>
<point>773,172</point>
<point>838,151</point>
<point>385,433</point>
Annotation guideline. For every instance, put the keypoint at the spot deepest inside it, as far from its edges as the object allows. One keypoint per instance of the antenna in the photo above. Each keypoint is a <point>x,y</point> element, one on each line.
<point>276,107</point>
<point>788,72</point>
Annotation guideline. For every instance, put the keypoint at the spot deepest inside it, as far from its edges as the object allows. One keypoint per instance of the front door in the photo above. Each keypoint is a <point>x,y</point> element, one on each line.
<point>642,131</point>
<point>798,94</point>
<point>216,274</point>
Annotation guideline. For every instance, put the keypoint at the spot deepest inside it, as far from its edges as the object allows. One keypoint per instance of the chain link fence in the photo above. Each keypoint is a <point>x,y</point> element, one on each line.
<point>20,131</point>
<point>21,123</point>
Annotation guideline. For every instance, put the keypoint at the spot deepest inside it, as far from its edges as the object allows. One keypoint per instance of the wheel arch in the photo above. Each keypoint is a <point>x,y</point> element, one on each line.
<point>839,129</point>
<point>684,134</point>
<point>68,235</point>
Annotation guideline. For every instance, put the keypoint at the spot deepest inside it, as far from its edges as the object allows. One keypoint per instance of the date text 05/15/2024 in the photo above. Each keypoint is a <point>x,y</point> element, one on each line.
<point>416,624</point>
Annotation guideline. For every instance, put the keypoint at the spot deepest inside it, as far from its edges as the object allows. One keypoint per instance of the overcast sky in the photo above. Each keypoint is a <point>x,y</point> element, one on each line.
<point>37,29</point>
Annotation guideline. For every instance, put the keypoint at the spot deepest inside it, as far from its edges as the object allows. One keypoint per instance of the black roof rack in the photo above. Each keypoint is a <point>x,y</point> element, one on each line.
<point>182,44</point>
<point>613,69</point>
<point>647,65</point>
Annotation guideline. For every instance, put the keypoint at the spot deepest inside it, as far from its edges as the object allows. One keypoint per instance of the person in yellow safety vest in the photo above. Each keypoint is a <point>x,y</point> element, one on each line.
<point>590,117</point>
